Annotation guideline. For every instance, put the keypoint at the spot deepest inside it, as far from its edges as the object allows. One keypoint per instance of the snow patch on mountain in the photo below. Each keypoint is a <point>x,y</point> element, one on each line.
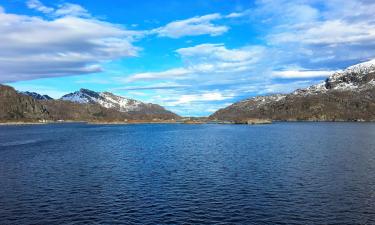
<point>353,78</point>
<point>362,68</point>
<point>105,99</point>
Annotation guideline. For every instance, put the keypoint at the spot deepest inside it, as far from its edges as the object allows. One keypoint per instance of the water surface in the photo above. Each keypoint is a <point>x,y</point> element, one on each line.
<point>286,173</point>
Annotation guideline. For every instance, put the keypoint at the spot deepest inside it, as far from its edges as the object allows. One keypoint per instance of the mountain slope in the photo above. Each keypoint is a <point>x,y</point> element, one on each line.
<point>121,104</point>
<point>70,111</point>
<point>348,95</point>
<point>15,106</point>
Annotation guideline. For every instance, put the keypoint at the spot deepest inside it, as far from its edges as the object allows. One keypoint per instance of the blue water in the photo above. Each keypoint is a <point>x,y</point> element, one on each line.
<point>284,173</point>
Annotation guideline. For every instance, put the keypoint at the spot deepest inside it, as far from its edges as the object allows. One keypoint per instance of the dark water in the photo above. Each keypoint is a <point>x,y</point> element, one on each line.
<point>286,173</point>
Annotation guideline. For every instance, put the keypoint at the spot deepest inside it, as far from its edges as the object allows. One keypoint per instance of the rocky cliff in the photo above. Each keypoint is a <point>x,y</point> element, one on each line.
<point>15,106</point>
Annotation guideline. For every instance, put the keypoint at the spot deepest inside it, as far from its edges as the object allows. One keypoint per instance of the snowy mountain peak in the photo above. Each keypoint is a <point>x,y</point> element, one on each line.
<point>105,99</point>
<point>362,68</point>
<point>354,78</point>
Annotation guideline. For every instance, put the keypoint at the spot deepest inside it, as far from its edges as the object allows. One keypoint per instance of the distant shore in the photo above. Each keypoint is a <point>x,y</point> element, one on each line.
<point>188,122</point>
<point>20,123</point>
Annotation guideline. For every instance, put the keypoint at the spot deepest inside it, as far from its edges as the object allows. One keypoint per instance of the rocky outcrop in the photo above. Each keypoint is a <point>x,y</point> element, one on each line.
<point>15,106</point>
<point>348,95</point>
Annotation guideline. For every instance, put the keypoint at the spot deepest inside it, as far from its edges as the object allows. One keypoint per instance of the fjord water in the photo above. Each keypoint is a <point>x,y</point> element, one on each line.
<point>291,173</point>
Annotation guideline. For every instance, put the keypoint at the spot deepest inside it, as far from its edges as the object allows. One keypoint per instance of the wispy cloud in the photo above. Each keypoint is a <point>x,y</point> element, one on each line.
<point>293,74</point>
<point>204,97</point>
<point>172,73</point>
<point>199,25</point>
<point>37,5</point>
<point>206,59</point>
<point>64,9</point>
<point>154,87</point>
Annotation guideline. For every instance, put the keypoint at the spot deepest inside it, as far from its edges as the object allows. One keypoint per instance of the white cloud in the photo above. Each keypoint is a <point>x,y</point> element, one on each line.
<point>208,59</point>
<point>156,86</point>
<point>319,33</point>
<point>239,14</point>
<point>234,15</point>
<point>290,74</point>
<point>33,47</point>
<point>172,73</point>
<point>192,27</point>
<point>68,9</point>
<point>332,32</point>
<point>216,52</point>
<point>65,9</point>
<point>37,5</point>
<point>202,97</point>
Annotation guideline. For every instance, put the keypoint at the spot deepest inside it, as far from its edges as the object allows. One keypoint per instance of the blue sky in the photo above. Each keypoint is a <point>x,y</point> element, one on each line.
<point>193,57</point>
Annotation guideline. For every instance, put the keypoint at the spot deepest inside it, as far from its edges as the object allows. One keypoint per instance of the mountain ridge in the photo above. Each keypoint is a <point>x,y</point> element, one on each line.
<point>36,96</point>
<point>31,106</point>
<point>111,101</point>
<point>347,95</point>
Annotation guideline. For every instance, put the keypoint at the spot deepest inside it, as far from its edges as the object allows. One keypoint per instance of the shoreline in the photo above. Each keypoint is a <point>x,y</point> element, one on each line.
<point>21,123</point>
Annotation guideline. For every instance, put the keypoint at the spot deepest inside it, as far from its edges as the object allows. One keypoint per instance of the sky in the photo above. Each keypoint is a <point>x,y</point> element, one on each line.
<point>192,57</point>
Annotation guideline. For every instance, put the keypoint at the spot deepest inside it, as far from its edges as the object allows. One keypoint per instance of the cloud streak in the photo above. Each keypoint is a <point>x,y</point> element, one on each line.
<point>65,9</point>
<point>37,5</point>
<point>298,74</point>
<point>200,25</point>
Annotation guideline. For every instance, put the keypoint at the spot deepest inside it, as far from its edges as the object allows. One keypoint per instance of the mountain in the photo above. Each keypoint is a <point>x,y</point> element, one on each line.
<point>118,103</point>
<point>84,105</point>
<point>36,95</point>
<point>348,95</point>
<point>16,106</point>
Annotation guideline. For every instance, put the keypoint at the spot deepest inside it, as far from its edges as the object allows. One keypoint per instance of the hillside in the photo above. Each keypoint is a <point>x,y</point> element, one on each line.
<point>348,95</point>
<point>15,106</point>
<point>31,106</point>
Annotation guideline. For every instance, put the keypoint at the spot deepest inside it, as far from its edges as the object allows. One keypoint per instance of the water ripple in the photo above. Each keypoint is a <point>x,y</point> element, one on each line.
<point>287,173</point>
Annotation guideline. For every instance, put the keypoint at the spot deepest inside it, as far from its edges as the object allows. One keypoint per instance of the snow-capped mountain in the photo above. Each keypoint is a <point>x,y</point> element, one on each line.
<point>354,78</point>
<point>111,101</point>
<point>105,99</point>
<point>36,96</point>
<point>103,107</point>
<point>345,95</point>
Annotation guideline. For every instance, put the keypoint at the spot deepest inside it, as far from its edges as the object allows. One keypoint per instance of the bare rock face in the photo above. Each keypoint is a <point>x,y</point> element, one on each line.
<point>348,95</point>
<point>15,106</point>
